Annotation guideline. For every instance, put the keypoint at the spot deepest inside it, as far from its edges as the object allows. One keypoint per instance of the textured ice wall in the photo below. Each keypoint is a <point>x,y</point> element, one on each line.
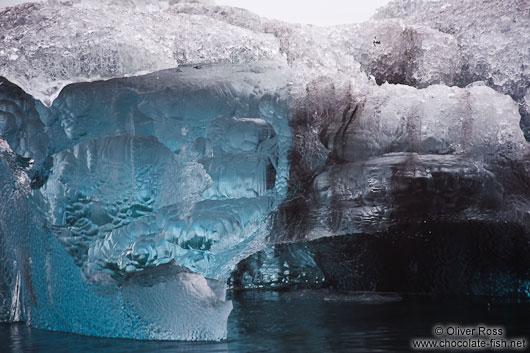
<point>46,46</point>
<point>41,284</point>
<point>396,159</point>
<point>476,122</point>
<point>15,219</point>
<point>366,154</point>
<point>142,180</point>
<point>394,187</point>
<point>493,38</point>
<point>139,177</point>
<point>181,165</point>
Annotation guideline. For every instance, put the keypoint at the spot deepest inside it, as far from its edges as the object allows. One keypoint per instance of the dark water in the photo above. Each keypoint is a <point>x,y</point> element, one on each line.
<point>305,321</point>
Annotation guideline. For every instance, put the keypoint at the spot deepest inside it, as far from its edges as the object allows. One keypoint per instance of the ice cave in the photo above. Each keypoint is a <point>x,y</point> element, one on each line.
<point>158,155</point>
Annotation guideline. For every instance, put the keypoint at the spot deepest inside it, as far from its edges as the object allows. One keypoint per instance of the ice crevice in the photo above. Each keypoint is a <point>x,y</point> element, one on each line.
<point>145,167</point>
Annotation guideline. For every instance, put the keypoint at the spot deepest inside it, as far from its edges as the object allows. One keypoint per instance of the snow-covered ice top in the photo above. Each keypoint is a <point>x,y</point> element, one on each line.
<point>136,5</point>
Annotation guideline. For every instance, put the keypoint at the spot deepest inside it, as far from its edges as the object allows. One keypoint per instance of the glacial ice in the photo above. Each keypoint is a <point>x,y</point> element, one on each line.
<point>380,46</point>
<point>471,258</point>
<point>152,151</point>
<point>161,178</point>
<point>53,44</point>
<point>140,183</point>
<point>475,121</point>
<point>449,147</point>
<point>42,285</point>
<point>493,45</point>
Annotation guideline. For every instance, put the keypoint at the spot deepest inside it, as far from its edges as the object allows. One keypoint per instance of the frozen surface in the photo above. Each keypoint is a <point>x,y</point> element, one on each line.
<point>395,52</point>
<point>191,33</point>
<point>46,46</point>
<point>439,42</point>
<point>41,284</point>
<point>476,121</point>
<point>493,38</point>
<point>174,178</point>
<point>374,152</point>
<point>151,151</point>
<point>141,187</point>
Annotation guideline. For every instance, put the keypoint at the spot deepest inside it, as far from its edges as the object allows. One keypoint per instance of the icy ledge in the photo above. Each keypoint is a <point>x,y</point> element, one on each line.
<point>46,46</point>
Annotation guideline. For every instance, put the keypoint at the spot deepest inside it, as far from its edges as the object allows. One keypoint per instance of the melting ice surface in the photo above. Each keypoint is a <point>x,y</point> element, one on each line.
<point>227,147</point>
<point>178,165</point>
<point>151,183</point>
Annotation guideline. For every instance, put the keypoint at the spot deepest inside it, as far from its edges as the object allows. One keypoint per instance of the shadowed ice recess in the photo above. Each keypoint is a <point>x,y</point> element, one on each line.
<point>145,168</point>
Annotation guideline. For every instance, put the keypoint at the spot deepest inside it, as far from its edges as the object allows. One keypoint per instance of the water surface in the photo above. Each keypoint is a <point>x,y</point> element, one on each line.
<point>305,321</point>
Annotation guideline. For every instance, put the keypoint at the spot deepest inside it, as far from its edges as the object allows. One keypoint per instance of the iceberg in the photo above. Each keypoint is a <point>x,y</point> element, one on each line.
<point>148,192</point>
<point>493,46</point>
<point>155,153</point>
<point>50,45</point>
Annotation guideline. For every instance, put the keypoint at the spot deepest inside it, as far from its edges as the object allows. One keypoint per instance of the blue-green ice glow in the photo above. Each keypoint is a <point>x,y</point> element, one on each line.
<point>144,180</point>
